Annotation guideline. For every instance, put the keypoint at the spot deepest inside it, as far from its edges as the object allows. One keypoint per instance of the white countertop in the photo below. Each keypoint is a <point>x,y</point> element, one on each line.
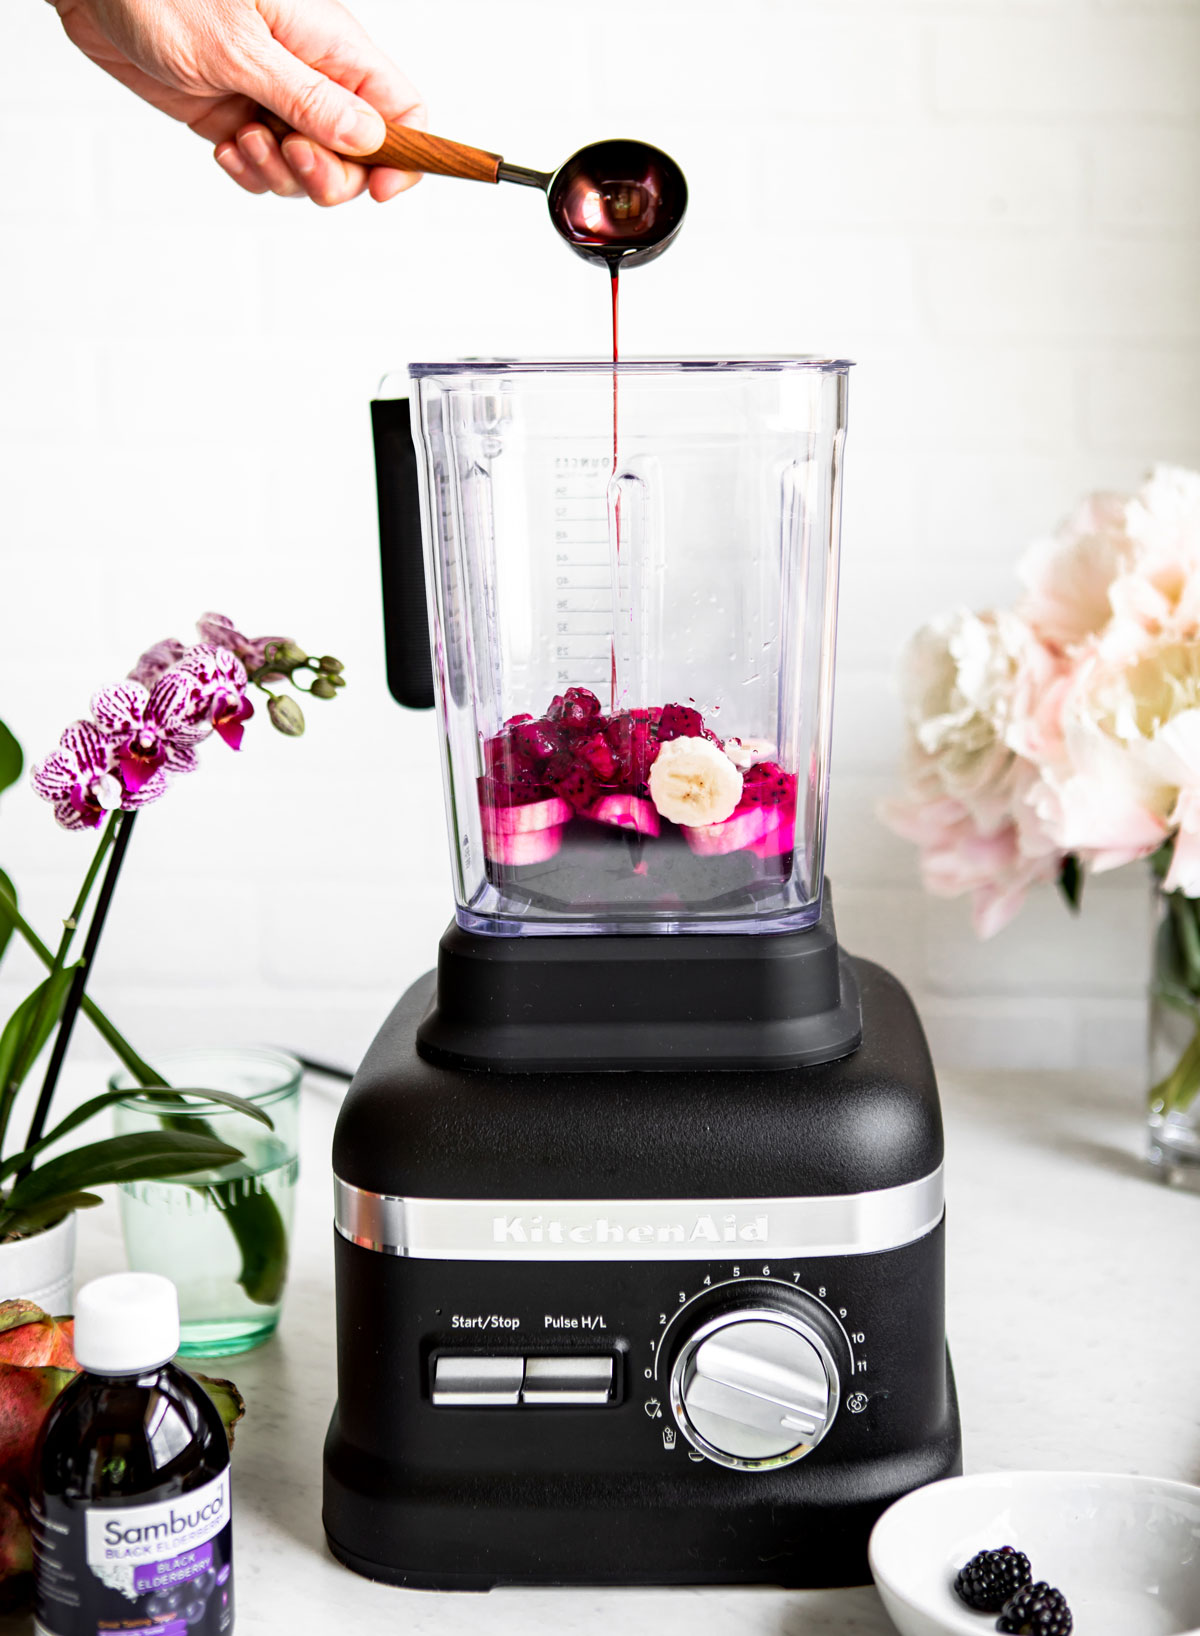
<point>1074,1318</point>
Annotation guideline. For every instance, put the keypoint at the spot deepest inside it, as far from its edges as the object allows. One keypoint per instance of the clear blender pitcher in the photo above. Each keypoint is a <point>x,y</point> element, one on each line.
<point>633,652</point>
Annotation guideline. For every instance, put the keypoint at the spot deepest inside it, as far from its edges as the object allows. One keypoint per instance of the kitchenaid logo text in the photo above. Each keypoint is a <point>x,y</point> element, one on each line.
<point>541,1229</point>
<point>152,1533</point>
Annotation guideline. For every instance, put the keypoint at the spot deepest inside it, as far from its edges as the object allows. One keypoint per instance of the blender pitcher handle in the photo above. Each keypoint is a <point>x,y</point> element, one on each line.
<point>405,613</point>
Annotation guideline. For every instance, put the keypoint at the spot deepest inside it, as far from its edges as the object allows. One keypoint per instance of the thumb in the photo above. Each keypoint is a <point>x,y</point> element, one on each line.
<point>315,105</point>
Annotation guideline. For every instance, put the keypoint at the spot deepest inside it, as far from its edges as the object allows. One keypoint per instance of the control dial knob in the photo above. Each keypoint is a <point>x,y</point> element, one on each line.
<point>754,1388</point>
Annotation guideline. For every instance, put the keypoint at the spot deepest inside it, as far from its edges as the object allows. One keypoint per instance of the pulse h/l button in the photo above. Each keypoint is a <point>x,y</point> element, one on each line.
<point>567,1380</point>
<point>479,1381</point>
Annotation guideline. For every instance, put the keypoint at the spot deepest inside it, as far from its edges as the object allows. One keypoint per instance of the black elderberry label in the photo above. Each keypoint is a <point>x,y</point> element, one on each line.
<point>158,1569</point>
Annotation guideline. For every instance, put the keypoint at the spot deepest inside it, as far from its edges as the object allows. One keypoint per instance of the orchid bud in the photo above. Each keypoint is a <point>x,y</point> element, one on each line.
<point>286,656</point>
<point>336,681</point>
<point>330,665</point>
<point>323,688</point>
<point>286,715</point>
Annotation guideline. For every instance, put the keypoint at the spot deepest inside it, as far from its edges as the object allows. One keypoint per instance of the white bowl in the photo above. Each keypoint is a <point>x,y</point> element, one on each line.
<point>1124,1550</point>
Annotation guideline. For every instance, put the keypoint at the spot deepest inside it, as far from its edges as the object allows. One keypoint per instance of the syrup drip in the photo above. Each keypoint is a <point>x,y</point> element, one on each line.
<point>615,276</point>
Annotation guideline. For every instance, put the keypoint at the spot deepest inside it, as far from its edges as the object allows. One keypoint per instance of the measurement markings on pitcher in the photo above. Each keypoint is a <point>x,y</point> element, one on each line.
<point>582,593</point>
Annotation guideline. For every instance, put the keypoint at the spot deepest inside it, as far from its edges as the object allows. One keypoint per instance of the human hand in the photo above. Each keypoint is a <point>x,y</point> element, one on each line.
<point>210,62</point>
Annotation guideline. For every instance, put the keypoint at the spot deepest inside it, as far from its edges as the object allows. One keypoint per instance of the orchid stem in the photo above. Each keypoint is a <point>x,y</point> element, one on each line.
<point>107,1030</point>
<point>122,824</point>
<point>21,1063</point>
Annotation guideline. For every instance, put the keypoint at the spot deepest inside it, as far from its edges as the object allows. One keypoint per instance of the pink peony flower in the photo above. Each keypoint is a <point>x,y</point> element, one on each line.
<point>957,680</point>
<point>1156,596</point>
<point>78,777</point>
<point>149,730</point>
<point>216,690</point>
<point>996,867</point>
<point>1126,754</point>
<point>966,804</point>
<point>1070,727</point>
<point>1067,578</point>
<point>1041,682</point>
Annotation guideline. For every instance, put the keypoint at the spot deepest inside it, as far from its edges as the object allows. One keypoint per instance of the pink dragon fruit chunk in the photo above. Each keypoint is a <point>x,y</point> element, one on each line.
<point>535,740</point>
<point>626,812</point>
<point>573,782</point>
<point>523,847</point>
<point>767,785</point>
<point>680,721</point>
<point>575,709</point>
<point>597,754</point>
<point>518,820</point>
<point>511,779</point>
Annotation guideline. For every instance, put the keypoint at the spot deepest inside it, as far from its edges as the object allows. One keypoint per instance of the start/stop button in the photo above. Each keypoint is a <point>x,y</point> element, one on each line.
<point>477,1381</point>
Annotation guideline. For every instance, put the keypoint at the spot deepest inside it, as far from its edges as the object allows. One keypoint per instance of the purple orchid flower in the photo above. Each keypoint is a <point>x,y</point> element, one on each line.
<point>216,690</point>
<point>220,632</point>
<point>78,777</point>
<point>149,731</point>
<point>156,661</point>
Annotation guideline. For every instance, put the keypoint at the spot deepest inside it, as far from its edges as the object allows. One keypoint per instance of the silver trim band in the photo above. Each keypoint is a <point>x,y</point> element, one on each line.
<point>639,1229</point>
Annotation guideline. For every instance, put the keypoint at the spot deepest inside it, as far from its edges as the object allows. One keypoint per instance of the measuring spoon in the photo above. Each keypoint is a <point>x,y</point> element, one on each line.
<point>616,202</point>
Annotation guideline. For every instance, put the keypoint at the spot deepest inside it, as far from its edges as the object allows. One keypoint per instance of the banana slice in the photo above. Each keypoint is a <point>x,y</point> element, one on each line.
<point>745,752</point>
<point>693,781</point>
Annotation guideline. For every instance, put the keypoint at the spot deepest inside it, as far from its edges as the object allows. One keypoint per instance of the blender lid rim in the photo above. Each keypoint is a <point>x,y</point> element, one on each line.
<point>715,363</point>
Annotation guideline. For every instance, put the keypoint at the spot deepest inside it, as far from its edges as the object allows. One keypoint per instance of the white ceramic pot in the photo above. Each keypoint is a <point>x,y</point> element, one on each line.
<point>41,1268</point>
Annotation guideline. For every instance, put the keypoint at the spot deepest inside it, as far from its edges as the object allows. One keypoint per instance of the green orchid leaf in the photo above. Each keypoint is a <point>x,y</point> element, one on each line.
<point>142,1156</point>
<point>46,1214</point>
<point>258,1229</point>
<point>190,1117</point>
<point>89,1110</point>
<point>7,924</point>
<point>11,759</point>
<point>30,1026</point>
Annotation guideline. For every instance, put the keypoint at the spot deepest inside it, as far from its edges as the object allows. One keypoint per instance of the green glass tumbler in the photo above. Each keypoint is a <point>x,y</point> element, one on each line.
<point>221,1236</point>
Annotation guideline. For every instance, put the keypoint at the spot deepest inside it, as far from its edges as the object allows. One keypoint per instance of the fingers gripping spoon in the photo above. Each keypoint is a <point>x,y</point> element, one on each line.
<point>617,202</point>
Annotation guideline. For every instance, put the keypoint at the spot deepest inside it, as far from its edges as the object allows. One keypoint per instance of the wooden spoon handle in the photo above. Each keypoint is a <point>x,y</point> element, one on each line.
<point>407,149</point>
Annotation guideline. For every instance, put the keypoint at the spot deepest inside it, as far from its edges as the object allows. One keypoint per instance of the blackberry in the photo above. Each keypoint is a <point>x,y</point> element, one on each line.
<point>1037,1610</point>
<point>991,1577</point>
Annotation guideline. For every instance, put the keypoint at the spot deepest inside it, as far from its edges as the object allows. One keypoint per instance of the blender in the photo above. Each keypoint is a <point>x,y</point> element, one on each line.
<point>638,1196</point>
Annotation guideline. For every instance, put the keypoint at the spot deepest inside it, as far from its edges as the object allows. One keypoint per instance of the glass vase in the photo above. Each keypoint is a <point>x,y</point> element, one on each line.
<point>1173,1115</point>
<point>221,1236</point>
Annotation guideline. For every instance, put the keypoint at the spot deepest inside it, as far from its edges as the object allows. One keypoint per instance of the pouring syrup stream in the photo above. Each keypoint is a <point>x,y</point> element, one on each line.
<point>615,277</point>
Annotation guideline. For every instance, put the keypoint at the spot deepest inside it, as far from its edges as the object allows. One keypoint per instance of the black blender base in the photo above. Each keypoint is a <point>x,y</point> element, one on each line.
<point>510,1531</point>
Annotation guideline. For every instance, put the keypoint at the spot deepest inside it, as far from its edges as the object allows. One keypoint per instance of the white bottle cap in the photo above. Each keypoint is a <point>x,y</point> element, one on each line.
<point>126,1323</point>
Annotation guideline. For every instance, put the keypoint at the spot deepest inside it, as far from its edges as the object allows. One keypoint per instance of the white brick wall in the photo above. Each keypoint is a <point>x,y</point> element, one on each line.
<point>994,206</point>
